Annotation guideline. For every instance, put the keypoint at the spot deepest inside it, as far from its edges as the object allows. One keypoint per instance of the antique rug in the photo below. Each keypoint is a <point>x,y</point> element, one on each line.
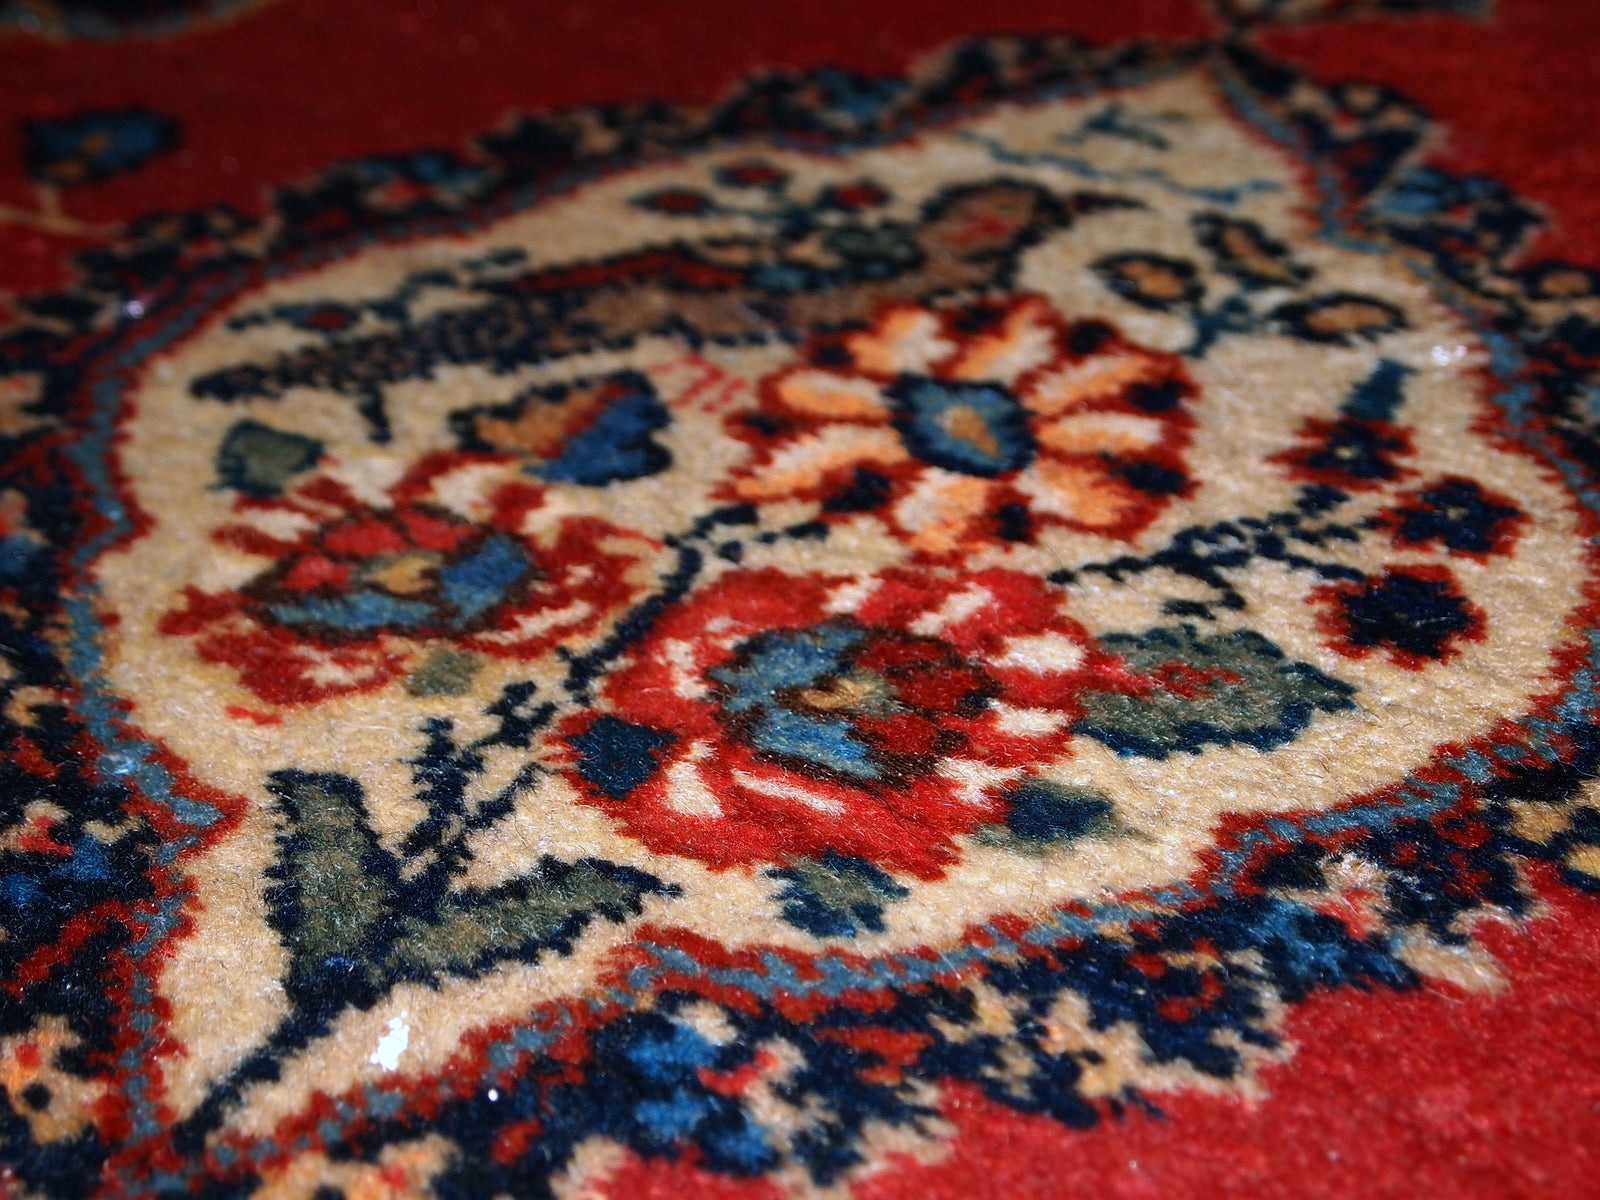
<point>606,602</point>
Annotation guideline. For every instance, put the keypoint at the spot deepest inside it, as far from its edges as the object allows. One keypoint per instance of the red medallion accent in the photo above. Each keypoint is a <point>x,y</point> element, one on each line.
<point>350,596</point>
<point>755,724</point>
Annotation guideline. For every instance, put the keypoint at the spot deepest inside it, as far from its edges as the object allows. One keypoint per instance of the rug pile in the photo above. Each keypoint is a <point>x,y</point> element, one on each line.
<point>848,605</point>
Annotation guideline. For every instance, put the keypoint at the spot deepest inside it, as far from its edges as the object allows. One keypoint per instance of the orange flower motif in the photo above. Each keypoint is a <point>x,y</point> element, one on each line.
<point>348,596</point>
<point>964,426</point>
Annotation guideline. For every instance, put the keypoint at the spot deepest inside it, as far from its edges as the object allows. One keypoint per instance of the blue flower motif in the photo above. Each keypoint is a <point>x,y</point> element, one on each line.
<point>591,432</point>
<point>93,145</point>
<point>462,589</point>
<point>784,661</point>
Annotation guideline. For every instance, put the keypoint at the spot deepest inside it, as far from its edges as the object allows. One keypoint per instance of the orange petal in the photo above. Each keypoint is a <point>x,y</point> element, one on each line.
<point>940,509</point>
<point>1096,379</point>
<point>1078,492</point>
<point>805,462</point>
<point>1024,340</point>
<point>838,397</point>
<point>1101,433</point>
<point>905,340</point>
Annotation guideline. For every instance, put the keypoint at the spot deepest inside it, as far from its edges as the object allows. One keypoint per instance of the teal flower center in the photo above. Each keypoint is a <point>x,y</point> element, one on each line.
<point>970,428</point>
<point>856,703</point>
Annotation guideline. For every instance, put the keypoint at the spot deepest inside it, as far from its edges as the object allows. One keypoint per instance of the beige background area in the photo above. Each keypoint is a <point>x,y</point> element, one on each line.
<point>1254,393</point>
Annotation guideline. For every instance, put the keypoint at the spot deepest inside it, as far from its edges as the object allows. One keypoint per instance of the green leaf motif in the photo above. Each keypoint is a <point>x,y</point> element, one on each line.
<point>258,460</point>
<point>335,882</point>
<point>475,928</point>
<point>1199,690</point>
<point>354,925</point>
<point>835,895</point>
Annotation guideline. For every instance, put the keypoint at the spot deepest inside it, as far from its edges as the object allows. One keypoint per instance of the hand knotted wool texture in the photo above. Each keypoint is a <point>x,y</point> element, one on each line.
<point>760,648</point>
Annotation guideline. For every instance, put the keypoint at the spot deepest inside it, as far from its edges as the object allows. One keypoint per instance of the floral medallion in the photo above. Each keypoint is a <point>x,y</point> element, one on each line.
<point>771,719</point>
<point>351,595</point>
<point>671,603</point>
<point>974,424</point>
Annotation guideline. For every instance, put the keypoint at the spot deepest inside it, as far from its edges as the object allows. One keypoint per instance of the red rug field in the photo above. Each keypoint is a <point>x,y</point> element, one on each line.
<point>873,601</point>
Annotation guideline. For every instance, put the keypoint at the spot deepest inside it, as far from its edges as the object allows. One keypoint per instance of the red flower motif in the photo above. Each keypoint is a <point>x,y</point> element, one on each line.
<point>853,197</point>
<point>770,717</point>
<point>1458,515</point>
<point>1416,614</point>
<point>1352,453</point>
<point>348,595</point>
<point>959,427</point>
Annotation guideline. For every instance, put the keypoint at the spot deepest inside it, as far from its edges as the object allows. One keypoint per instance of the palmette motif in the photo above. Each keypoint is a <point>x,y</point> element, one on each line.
<point>699,660</point>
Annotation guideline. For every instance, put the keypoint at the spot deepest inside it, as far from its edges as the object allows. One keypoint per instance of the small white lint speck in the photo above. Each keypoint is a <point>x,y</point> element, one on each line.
<point>392,1044</point>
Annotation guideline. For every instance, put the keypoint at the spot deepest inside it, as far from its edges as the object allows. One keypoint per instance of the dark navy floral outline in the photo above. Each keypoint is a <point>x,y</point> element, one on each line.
<point>1461,830</point>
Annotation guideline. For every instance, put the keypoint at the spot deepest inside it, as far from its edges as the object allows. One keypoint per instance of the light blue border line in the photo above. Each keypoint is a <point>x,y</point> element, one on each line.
<point>124,755</point>
<point>1514,400</point>
<point>1325,177</point>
